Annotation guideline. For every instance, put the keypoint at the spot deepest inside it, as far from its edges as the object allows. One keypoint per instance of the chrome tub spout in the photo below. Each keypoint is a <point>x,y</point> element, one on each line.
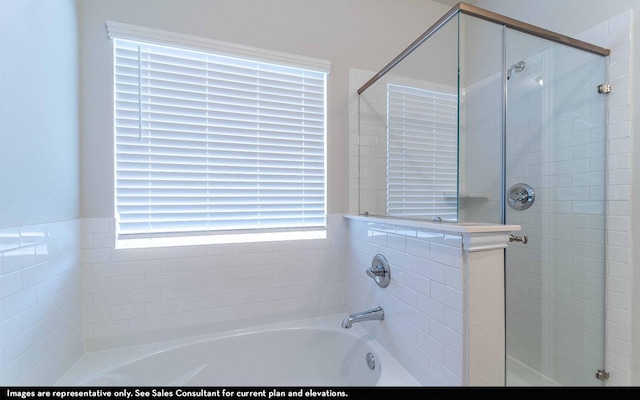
<point>369,315</point>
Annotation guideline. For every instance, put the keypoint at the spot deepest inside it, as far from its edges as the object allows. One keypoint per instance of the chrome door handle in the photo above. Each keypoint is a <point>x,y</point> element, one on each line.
<point>521,239</point>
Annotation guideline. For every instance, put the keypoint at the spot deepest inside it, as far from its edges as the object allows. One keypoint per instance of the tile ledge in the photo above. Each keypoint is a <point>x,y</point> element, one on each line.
<point>451,227</point>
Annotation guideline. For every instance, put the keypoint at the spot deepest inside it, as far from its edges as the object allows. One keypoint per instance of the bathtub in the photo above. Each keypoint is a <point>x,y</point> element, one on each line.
<point>313,352</point>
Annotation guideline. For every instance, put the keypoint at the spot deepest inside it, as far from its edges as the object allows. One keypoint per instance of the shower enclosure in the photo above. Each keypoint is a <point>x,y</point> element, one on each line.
<point>484,119</point>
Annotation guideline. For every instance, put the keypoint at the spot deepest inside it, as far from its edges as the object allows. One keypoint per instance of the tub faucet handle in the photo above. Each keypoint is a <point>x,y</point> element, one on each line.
<point>379,271</point>
<point>374,272</point>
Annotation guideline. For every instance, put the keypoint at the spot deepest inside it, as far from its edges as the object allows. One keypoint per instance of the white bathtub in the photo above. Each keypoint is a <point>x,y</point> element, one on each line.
<point>314,352</point>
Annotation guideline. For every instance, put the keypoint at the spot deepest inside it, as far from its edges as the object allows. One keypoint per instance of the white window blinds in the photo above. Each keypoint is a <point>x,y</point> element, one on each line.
<point>422,146</point>
<point>208,142</point>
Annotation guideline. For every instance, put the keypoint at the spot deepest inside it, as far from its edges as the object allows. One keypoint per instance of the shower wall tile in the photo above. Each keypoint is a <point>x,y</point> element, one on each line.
<point>133,295</point>
<point>423,316</point>
<point>40,302</point>
<point>545,316</point>
<point>618,39</point>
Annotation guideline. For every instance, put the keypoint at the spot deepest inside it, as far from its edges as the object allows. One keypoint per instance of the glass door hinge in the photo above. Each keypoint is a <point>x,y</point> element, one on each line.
<point>602,375</point>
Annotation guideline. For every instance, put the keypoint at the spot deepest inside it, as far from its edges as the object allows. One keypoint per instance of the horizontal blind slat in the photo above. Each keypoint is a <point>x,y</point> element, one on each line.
<point>207,142</point>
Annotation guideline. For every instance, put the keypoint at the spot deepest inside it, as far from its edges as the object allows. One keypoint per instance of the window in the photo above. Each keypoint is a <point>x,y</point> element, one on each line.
<point>422,147</point>
<point>210,141</point>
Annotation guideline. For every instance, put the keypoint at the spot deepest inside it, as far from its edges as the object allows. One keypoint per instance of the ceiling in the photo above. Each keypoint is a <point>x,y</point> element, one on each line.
<point>452,3</point>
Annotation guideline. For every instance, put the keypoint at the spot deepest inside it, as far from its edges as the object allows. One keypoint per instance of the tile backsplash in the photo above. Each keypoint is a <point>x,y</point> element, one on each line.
<point>423,303</point>
<point>134,295</point>
<point>40,302</point>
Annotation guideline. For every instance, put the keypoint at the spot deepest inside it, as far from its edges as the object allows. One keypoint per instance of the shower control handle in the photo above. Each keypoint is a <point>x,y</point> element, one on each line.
<point>375,272</point>
<point>520,196</point>
<point>379,271</point>
<point>521,239</point>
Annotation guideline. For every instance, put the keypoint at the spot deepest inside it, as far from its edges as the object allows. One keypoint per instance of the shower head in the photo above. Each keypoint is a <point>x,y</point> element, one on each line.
<point>519,67</point>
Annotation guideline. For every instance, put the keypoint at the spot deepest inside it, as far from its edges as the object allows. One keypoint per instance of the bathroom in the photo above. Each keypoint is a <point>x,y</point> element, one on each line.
<point>65,288</point>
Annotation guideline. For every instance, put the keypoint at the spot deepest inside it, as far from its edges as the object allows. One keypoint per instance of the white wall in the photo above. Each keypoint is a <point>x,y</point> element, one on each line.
<point>355,33</point>
<point>38,112</point>
<point>40,328</point>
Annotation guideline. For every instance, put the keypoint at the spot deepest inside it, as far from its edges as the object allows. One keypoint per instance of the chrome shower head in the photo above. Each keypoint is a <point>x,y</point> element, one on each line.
<point>519,67</point>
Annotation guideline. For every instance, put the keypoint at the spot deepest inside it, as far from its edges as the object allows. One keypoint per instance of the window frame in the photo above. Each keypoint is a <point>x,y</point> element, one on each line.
<point>134,33</point>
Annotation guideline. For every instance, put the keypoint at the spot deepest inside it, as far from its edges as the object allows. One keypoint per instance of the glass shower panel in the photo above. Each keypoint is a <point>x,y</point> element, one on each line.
<point>481,121</point>
<point>555,143</point>
<point>408,137</point>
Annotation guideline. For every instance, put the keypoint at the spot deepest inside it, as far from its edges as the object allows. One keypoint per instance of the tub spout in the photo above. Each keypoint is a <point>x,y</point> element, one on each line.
<point>369,315</point>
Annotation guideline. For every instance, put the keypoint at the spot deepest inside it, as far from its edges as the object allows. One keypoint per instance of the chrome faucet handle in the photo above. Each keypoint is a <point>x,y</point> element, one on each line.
<point>376,271</point>
<point>521,197</point>
<point>380,271</point>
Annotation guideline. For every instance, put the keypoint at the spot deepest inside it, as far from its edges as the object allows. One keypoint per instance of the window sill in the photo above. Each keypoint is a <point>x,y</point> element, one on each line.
<point>176,241</point>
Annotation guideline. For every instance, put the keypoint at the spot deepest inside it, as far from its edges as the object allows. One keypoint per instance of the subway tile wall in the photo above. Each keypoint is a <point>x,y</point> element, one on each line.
<point>615,34</point>
<point>555,283</point>
<point>564,261</point>
<point>136,295</point>
<point>423,323</point>
<point>40,302</point>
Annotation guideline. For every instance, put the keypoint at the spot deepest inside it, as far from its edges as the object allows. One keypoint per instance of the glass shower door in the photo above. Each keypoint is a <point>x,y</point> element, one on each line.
<point>555,177</point>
